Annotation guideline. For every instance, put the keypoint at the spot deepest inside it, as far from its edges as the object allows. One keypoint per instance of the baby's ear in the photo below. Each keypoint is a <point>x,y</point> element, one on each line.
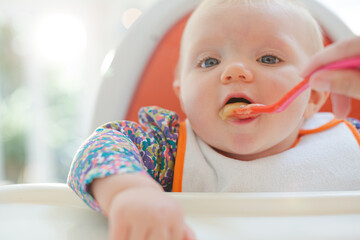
<point>176,87</point>
<point>316,101</point>
<point>176,83</point>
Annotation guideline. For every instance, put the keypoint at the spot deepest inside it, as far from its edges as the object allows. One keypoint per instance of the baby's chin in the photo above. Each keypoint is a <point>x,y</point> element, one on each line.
<point>251,152</point>
<point>241,155</point>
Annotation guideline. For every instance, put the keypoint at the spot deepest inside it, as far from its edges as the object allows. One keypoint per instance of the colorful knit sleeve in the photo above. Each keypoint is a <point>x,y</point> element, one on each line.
<point>127,147</point>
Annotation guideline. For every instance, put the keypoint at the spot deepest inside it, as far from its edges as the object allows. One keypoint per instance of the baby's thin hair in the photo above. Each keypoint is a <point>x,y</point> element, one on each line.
<point>317,33</point>
<point>209,3</point>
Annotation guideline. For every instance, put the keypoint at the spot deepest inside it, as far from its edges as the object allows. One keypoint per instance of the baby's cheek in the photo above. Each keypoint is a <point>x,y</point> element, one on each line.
<point>189,99</point>
<point>273,91</point>
<point>291,118</point>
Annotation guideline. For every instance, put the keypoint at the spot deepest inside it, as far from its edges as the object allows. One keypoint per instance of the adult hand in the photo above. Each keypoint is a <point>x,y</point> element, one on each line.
<point>343,84</point>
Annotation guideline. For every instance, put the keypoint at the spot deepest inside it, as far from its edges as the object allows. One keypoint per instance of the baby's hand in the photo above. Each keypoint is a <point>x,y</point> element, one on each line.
<point>146,213</point>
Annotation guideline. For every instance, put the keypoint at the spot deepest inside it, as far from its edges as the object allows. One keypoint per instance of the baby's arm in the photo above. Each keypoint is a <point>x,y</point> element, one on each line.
<point>138,208</point>
<point>121,165</point>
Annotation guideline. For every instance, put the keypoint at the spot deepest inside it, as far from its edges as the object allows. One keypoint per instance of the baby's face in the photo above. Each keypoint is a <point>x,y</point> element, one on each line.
<point>237,52</point>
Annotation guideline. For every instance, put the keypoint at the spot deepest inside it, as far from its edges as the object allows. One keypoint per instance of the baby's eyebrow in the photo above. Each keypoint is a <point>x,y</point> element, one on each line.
<point>199,46</point>
<point>282,42</point>
<point>277,41</point>
<point>197,50</point>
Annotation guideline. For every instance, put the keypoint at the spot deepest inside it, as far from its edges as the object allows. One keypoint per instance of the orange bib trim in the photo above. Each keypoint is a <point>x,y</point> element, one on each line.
<point>180,157</point>
<point>326,126</point>
<point>331,124</point>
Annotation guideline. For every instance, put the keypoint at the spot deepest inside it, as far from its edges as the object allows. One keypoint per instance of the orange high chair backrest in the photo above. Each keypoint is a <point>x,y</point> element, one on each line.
<point>142,70</point>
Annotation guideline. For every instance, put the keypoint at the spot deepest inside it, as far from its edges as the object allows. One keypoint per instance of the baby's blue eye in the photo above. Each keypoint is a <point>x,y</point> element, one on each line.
<point>209,62</point>
<point>268,59</point>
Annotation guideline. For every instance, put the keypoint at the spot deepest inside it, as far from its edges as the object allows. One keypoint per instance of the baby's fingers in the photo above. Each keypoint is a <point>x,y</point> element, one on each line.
<point>160,234</point>
<point>343,82</point>
<point>119,232</point>
<point>189,233</point>
<point>139,233</point>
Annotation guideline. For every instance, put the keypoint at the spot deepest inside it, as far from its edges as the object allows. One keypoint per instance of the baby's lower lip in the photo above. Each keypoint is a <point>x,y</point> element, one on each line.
<point>237,120</point>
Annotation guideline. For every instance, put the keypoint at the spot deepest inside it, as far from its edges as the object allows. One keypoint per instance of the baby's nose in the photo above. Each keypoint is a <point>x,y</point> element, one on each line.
<point>235,72</point>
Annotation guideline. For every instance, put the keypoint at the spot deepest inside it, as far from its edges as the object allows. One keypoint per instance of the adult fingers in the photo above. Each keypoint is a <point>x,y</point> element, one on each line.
<point>336,51</point>
<point>344,82</point>
<point>341,105</point>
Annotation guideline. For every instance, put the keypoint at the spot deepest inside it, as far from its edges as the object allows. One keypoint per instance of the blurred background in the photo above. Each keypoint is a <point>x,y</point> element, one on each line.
<point>52,55</point>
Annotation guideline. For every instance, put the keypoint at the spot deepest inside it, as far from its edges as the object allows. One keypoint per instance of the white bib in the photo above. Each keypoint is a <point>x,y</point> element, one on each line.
<point>325,161</point>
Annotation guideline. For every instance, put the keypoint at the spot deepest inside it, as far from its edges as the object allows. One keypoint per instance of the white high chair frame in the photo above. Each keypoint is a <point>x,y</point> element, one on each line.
<point>120,81</point>
<point>53,211</point>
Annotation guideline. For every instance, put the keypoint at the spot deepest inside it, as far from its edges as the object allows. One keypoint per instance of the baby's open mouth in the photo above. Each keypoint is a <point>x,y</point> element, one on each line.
<point>231,105</point>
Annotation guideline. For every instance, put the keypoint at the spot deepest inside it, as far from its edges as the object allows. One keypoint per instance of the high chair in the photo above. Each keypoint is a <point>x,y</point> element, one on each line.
<point>142,70</point>
<point>148,52</point>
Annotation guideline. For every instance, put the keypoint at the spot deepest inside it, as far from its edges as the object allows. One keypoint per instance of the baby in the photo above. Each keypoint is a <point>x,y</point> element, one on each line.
<point>232,52</point>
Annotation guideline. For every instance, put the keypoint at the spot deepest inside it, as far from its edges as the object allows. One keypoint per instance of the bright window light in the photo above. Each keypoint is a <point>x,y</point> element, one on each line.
<point>129,16</point>
<point>60,38</point>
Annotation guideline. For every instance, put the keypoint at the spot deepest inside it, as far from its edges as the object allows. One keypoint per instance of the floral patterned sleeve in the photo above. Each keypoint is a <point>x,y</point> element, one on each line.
<point>128,147</point>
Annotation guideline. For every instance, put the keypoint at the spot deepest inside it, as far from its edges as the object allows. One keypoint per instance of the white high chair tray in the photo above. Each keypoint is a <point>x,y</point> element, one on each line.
<point>318,215</point>
<point>53,211</point>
